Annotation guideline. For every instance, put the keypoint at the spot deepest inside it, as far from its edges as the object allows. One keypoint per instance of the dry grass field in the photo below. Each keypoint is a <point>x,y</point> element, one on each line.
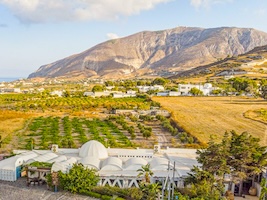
<point>11,121</point>
<point>205,116</point>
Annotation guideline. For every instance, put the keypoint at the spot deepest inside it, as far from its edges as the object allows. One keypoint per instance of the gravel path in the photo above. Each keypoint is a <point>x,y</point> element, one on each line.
<point>20,191</point>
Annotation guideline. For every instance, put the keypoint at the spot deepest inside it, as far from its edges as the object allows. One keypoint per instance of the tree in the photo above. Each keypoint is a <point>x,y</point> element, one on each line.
<point>66,93</point>
<point>264,91</point>
<point>203,184</point>
<point>109,83</point>
<point>159,81</point>
<point>196,92</point>
<point>247,156</point>
<point>240,155</point>
<point>145,172</point>
<point>98,88</point>
<point>216,92</point>
<point>214,157</point>
<point>243,84</point>
<point>146,133</point>
<point>79,179</point>
<point>150,191</point>
<point>263,189</point>
<point>263,88</point>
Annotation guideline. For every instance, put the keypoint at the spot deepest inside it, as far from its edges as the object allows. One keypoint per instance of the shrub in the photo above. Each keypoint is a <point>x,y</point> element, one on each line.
<point>106,197</point>
<point>119,198</point>
<point>92,194</point>
<point>79,179</point>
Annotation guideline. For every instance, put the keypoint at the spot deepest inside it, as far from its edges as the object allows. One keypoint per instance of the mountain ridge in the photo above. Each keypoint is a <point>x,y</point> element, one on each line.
<point>150,52</point>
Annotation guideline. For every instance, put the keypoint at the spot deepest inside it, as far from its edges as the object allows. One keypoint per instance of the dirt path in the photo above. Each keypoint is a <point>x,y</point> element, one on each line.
<point>253,63</point>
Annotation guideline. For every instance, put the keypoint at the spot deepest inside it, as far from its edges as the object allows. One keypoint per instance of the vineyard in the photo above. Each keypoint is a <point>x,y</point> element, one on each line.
<point>71,133</point>
<point>30,102</point>
<point>114,131</point>
<point>39,120</point>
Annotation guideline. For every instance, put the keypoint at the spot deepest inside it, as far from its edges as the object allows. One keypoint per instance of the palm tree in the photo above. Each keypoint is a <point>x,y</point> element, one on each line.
<point>150,191</point>
<point>145,172</point>
<point>155,188</point>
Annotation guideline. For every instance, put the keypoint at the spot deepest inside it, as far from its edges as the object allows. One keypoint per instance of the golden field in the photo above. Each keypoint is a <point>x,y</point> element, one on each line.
<point>11,121</point>
<point>205,116</point>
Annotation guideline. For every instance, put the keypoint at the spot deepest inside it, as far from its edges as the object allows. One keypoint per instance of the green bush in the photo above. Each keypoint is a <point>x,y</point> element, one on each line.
<point>121,193</point>
<point>92,194</point>
<point>106,197</point>
<point>119,198</point>
<point>79,179</point>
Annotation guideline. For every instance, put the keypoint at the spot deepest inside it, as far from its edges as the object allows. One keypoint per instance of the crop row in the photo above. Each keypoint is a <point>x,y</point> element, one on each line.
<point>72,132</point>
<point>31,102</point>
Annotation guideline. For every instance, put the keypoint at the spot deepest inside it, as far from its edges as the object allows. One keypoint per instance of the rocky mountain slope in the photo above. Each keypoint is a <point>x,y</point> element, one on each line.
<point>253,62</point>
<point>151,52</point>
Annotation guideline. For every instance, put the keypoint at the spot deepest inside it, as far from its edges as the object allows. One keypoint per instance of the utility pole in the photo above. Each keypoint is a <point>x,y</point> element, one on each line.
<point>166,182</point>
<point>173,184</point>
<point>169,184</point>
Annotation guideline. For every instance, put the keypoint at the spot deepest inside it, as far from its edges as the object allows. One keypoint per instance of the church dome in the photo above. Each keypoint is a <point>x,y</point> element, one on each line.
<point>93,148</point>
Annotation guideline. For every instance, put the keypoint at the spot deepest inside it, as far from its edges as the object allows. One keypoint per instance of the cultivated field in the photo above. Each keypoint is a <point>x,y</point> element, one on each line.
<point>71,132</point>
<point>204,116</point>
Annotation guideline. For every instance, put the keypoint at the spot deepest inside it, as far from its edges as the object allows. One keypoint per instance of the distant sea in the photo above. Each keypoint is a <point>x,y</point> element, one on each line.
<point>8,79</point>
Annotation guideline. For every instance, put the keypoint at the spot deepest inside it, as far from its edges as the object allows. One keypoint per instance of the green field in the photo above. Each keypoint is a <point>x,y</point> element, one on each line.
<point>115,131</point>
<point>71,133</point>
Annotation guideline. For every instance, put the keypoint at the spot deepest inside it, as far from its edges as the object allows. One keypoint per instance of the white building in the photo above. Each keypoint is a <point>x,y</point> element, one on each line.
<point>10,90</point>
<point>184,89</point>
<point>116,167</point>
<point>115,94</point>
<point>174,94</point>
<point>57,93</point>
<point>89,94</point>
<point>158,87</point>
<point>148,88</point>
<point>40,89</point>
<point>163,93</point>
<point>123,95</point>
<point>131,92</point>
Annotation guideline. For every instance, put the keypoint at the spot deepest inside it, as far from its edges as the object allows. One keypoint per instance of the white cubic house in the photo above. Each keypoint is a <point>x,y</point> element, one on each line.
<point>184,89</point>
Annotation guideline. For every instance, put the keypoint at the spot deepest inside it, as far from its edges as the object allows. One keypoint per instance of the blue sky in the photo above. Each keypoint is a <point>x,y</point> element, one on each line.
<point>38,32</point>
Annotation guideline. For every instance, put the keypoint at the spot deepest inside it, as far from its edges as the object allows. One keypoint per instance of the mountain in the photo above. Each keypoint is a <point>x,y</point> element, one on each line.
<point>155,52</point>
<point>252,63</point>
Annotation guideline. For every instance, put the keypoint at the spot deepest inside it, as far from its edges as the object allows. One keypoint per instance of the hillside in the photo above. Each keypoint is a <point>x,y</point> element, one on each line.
<point>252,63</point>
<point>155,53</point>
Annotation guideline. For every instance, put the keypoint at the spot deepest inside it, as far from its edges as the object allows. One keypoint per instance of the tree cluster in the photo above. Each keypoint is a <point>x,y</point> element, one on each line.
<point>240,156</point>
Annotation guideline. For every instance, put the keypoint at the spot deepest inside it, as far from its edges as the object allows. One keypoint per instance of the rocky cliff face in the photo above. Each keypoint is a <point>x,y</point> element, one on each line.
<point>177,49</point>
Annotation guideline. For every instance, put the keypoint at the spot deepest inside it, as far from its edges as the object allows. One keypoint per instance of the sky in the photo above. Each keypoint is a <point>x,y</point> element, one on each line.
<point>38,32</point>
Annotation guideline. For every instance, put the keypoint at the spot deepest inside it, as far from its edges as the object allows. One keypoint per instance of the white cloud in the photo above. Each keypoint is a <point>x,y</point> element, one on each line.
<point>112,36</point>
<point>206,3</point>
<point>38,11</point>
